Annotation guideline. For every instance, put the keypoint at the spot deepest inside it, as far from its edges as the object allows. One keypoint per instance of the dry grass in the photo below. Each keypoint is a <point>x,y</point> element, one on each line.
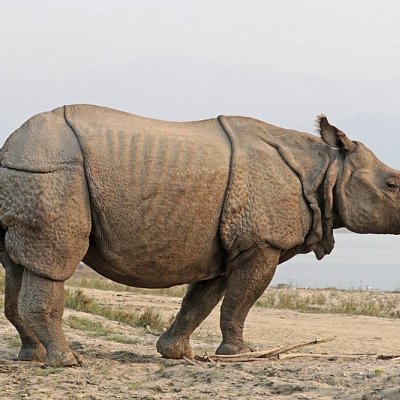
<point>372,303</point>
<point>97,329</point>
<point>88,325</point>
<point>77,300</point>
<point>334,301</point>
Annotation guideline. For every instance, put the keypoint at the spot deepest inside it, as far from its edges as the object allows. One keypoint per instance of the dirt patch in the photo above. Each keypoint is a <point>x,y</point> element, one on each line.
<point>122,363</point>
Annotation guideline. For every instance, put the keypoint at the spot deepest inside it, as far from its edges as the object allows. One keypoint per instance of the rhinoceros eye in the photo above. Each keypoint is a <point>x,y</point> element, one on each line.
<point>391,186</point>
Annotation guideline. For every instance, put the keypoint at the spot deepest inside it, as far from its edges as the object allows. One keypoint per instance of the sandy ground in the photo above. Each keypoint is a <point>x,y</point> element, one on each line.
<point>116,370</point>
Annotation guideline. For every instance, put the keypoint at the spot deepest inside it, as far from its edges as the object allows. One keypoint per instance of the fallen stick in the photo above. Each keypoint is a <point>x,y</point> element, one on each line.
<point>327,356</point>
<point>259,355</point>
<point>192,362</point>
<point>228,360</point>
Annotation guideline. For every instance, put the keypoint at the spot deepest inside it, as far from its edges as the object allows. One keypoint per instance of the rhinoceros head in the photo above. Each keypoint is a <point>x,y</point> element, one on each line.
<point>366,196</point>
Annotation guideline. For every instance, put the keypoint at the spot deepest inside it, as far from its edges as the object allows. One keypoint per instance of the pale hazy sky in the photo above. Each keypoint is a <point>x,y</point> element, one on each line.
<point>281,61</point>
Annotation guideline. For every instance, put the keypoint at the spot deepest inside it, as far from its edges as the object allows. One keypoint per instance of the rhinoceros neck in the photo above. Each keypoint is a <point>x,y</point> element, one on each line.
<point>326,194</point>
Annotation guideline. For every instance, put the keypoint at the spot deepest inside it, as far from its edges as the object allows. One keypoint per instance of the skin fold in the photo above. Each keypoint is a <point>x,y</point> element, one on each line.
<point>216,204</point>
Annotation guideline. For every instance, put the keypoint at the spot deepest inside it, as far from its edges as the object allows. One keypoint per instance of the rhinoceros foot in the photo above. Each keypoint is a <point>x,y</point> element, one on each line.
<point>229,349</point>
<point>63,359</point>
<point>37,353</point>
<point>170,346</point>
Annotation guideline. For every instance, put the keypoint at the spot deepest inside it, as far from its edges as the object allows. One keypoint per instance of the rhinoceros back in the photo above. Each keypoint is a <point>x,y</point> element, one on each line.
<point>157,188</point>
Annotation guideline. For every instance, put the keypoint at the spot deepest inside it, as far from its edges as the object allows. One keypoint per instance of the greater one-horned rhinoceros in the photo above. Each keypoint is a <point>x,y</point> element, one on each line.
<point>215,203</point>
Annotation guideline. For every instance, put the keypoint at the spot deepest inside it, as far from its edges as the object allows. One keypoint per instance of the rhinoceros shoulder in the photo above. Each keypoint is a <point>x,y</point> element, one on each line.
<point>271,192</point>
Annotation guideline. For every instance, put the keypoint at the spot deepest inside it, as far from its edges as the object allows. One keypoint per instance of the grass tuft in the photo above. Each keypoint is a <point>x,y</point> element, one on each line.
<point>77,300</point>
<point>97,329</point>
<point>88,325</point>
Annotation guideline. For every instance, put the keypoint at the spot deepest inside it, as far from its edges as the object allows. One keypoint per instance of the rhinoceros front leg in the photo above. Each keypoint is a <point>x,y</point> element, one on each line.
<point>31,349</point>
<point>41,306</point>
<point>199,301</point>
<point>249,274</point>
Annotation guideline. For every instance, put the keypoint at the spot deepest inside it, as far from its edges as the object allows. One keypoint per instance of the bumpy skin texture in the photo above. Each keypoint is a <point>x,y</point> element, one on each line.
<point>215,203</point>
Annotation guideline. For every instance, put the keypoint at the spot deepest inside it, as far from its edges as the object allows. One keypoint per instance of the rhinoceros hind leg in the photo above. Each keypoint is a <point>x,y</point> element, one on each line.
<point>249,275</point>
<point>41,306</point>
<point>197,304</point>
<point>31,348</point>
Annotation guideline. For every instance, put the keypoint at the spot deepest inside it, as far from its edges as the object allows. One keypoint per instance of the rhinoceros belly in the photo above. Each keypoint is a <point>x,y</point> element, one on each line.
<point>157,190</point>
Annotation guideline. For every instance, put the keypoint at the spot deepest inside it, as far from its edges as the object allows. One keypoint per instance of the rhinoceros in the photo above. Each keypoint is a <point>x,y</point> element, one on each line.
<point>216,204</point>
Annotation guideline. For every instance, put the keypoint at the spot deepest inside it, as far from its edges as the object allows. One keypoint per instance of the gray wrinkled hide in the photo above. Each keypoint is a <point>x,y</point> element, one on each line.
<point>152,193</point>
<point>156,191</point>
<point>216,203</point>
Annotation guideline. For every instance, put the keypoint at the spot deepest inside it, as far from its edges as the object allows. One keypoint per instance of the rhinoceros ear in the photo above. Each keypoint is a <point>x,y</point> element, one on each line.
<point>332,135</point>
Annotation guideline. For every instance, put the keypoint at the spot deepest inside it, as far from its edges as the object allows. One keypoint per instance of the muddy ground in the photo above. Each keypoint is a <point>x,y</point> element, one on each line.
<point>134,370</point>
